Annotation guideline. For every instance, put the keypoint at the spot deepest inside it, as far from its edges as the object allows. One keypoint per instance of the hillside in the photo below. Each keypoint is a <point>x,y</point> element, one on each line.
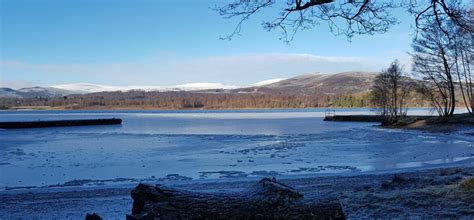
<point>10,93</point>
<point>34,92</point>
<point>331,84</point>
<point>347,89</point>
<point>324,84</point>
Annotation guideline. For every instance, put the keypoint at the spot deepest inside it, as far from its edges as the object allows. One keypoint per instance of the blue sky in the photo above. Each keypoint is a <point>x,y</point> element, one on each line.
<point>153,42</point>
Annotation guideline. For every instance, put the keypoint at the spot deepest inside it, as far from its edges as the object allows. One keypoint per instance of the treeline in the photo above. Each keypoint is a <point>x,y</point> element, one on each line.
<point>194,100</point>
<point>173,100</point>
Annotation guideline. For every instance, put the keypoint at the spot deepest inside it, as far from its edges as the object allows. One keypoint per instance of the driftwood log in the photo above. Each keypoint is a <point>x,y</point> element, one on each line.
<point>267,199</point>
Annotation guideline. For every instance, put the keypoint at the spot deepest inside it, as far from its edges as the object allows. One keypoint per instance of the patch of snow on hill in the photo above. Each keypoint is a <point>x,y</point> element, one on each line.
<point>203,86</point>
<point>267,82</point>
<point>87,87</point>
<point>8,93</point>
<point>90,88</point>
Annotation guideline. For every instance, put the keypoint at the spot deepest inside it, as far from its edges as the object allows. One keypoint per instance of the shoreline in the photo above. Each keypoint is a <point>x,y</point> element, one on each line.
<point>408,193</point>
<point>415,122</point>
<point>58,108</point>
<point>432,124</point>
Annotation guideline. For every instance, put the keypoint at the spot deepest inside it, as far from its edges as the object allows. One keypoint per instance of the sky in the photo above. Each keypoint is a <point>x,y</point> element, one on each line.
<point>158,42</point>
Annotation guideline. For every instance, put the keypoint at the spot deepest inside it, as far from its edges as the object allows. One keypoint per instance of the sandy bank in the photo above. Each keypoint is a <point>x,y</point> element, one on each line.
<point>425,194</point>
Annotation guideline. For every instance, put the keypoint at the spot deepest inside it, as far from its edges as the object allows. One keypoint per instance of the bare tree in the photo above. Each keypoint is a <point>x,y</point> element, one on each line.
<point>390,90</point>
<point>443,53</point>
<point>463,56</point>
<point>346,17</point>
<point>433,61</point>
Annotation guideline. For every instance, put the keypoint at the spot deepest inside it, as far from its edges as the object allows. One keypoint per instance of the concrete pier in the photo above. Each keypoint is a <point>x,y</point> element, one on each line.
<point>60,123</point>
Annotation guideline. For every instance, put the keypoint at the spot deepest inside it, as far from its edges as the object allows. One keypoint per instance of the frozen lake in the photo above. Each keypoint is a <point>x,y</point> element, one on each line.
<point>184,145</point>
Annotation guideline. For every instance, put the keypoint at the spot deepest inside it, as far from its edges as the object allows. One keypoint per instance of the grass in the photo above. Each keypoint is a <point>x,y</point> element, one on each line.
<point>467,184</point>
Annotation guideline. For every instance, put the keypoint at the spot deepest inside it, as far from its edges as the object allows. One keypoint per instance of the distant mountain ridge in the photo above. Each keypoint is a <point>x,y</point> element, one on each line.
<point>331,84</point>
<point>10,93</point>
<point>34,92</point>
<point>84,88</point>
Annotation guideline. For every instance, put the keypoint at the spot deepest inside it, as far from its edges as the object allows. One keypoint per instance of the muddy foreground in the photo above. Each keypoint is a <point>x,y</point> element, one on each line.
<point>429,193</point>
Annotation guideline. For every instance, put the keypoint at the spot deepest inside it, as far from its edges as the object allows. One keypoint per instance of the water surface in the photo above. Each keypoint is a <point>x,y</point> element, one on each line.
<point>184,145</point>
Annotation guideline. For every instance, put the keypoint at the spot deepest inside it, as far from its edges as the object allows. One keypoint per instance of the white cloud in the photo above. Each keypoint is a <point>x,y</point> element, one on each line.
<point>243,69</point>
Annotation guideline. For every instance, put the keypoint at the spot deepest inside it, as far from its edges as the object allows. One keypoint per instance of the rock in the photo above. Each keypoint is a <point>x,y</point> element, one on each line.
<point>93,216</point>
<point>267,199</point>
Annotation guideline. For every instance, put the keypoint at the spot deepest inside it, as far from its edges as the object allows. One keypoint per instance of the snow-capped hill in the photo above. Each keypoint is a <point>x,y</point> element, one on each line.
<point>87,87</point>
<point>46,91</point>
<point>91,88</point>
<point>34,92</point>
<point>339,83</point>
<point>9,93</point>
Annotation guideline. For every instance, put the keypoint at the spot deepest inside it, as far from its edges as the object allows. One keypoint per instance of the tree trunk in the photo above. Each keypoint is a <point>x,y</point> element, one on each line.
<point>447,70</point>
<point>267,199</point>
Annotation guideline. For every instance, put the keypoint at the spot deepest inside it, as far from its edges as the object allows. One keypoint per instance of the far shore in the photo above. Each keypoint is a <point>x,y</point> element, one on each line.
<point>68,108</point>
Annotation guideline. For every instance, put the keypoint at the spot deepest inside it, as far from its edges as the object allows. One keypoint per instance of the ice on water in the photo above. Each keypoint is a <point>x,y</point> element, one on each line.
<point>184,145</point>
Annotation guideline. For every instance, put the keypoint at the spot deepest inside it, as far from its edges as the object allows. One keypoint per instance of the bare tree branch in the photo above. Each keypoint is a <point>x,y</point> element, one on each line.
<point>312,3</point>
<point>346,17</point>
<point>243,9</point>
